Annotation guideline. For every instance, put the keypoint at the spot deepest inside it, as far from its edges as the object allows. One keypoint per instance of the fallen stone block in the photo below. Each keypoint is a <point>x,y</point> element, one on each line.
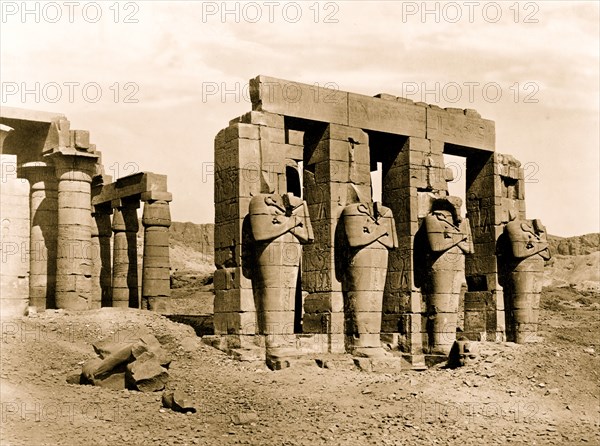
<point>146,374</point>
<point>106,348</point>
<point>124,355</point>
<point>114,378</point>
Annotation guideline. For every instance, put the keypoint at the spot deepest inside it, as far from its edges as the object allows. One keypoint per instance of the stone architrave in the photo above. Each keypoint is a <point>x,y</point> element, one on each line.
<point>279,225</point>
<point>449,239</point>
<point>525,273</point>
<point>370,232</point>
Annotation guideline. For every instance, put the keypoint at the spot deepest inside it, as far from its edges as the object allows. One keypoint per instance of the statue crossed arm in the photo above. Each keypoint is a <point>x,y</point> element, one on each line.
<point>443,234</point>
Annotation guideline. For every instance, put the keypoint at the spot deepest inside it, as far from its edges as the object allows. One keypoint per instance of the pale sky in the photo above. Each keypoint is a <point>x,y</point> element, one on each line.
<point>532,67</point>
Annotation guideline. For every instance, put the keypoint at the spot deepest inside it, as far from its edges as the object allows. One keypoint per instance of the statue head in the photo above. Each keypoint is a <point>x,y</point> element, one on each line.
<point>448,205</point>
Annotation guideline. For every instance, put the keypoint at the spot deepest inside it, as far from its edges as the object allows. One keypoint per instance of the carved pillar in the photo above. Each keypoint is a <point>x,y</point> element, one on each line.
<point>156,286</point>
<point>125,272</point>
<point>495,188</point>
<point>249,156</point>
<point>449,239</point>
<point>370,231</point>
<point>521,256</point>
<point>74,171</point>
<point>279,225</point>
<point>101,257</point>
<point>337,173</point>
<point>43,234</point>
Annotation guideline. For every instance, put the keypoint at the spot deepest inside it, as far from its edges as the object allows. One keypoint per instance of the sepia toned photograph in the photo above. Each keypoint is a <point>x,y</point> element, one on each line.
<point>299,223</point>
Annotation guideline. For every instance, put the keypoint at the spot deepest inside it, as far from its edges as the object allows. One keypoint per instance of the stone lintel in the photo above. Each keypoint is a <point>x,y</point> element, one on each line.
<point>299,100</point>
<point>156,196</point>
<point>131,185</point>
<point>462,129</point>
<point>25,114</point>
<point>125,203</point>
<point>383,113</point>
<point>401,118</point>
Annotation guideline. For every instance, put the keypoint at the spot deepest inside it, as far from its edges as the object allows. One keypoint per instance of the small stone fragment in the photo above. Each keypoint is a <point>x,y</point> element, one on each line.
<point>244,418</point>
<point>177,401</point>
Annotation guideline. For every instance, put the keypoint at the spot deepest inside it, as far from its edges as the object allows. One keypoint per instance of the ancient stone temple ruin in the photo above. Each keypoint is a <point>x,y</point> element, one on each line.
<point>307,262</point>
<point>60,246</point>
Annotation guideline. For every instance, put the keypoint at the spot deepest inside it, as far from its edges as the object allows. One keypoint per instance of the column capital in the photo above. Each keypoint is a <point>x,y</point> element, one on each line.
<point>154,195</point>
<point>125,216</point>
<point>74,165</point>
<point>4,132</point>
<point>101,209</point>
<point>156,213</point>
<point>37,172</point>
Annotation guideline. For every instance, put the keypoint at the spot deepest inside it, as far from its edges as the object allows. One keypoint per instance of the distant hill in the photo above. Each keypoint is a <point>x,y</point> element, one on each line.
<point>200,238</point>
<point>197,236</point>
<point>575,246</point>
<point>575,262</point>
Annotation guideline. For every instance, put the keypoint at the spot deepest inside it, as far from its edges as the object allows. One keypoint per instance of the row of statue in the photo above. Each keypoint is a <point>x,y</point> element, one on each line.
<point>280,225</point>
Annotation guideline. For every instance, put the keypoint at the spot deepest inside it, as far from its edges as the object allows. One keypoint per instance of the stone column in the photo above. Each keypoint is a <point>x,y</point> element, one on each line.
<point>74,171</point>
<point>156,283</point>
<point>14,236</point>
<point>125,274</point>
<point>101,257</point>
<point>43,234</point>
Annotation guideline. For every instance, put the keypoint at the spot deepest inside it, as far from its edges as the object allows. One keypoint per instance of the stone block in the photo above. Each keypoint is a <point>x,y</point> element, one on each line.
<point>324,303</point>
<point>294,137</point>
<point>315,323</point>
<point>238,153</point>
<point>390,323</point>
<point>399,118</point>
<point>330,150</point>
<point>146,374</point>
<point>344,133</point>
<point>294,152</point>
<point>81,139</point>
<point>342,172</point>
<point>298,100</point>
<point>272,134</point>
<point>261,118</point>
<point>156,273</point>
<point>238,130</point>
<point>234,301</point>
<point>273,157</point>
<point>235,323</point>
<point>460,129</point>
<point>231,278</point>
<point>370,322</point>
<point>412,328</point>
<point>157,287</point>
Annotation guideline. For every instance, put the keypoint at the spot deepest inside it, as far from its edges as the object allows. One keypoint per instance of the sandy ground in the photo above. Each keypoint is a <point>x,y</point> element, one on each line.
<point>545,393</point>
